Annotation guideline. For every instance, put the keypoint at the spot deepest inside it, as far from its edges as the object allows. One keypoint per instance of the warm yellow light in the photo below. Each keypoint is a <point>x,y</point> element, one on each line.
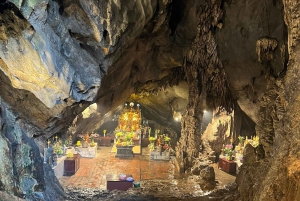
<point>89,110</point>
<point>177,116</point>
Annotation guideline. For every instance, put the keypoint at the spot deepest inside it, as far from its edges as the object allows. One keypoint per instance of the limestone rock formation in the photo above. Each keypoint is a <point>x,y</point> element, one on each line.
<point>207,178</point>
<point>173,57</point>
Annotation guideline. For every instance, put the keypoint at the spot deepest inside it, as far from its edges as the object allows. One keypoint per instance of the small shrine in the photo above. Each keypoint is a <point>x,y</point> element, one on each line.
<point>130,118</point>
<point>128,132</point>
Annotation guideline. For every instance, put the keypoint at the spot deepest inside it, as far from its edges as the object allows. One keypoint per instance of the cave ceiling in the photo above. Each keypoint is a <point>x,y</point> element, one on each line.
<point>58,57</point>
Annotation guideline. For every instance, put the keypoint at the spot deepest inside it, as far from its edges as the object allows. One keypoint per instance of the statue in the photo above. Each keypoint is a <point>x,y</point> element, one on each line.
<point>159,141</point>
<point>87,138</point>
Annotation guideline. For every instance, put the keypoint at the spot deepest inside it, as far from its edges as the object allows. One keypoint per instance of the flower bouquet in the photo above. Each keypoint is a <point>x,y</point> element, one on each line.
<point>241,141</point>
<point>228,151</point>
<point>80,136</point>
<point>152,139</point>
<point>152,143</point>
<point>255,141</point>
<point>119,134</point>
<point>93,136</point>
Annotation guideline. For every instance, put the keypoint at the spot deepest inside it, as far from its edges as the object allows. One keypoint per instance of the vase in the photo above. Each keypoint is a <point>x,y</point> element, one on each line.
<point>241,144</point>
<point>92,143</point>
<point>229,157</point>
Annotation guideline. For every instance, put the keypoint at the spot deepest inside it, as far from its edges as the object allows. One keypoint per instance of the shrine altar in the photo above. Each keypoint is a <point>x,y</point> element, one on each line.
<point>89,152</point>
<point>124,152</point>
<point>59,168</point>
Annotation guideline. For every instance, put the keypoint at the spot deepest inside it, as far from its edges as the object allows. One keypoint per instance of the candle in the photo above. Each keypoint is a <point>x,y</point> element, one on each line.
<point>56,138</point>
<point>48,143</point>
<point>45,155</point>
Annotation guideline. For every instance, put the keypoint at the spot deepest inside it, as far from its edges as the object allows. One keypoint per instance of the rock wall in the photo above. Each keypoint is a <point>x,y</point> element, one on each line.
<point>244,45</point>
<point>55,54</point>
<point>22,172</point>
<point>276,177</point>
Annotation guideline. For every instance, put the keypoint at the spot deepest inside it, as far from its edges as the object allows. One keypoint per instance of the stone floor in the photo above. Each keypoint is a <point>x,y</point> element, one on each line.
<point>92,173</point>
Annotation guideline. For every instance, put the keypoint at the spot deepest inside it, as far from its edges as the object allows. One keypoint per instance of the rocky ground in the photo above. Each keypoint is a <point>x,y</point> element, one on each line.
<point>156,190</point>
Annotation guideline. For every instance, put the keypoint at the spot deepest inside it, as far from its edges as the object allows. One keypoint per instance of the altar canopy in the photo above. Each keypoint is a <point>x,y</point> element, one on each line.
<point>130,119</point>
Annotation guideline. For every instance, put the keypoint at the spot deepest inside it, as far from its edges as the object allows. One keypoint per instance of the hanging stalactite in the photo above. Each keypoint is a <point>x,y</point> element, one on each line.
<point>207,83</point>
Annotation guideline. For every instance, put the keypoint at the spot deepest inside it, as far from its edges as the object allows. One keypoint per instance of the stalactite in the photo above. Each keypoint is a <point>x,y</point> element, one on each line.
<point>207,82</point>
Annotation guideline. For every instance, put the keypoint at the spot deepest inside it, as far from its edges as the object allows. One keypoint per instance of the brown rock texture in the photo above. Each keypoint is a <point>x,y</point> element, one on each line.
<point>275,176</point>
<point>176,58</point>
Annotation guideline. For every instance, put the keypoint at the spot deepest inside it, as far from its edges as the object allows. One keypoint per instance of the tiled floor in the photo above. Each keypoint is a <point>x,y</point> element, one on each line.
<point>92,172</point>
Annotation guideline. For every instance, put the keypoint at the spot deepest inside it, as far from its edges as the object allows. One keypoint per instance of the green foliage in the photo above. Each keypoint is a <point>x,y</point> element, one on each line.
<point>167,139</point>
<point>152,138</point>
<point>241,138</point>
<point>129,137</point>
<point>228,151</point>
<point>119,134</point>
<point>57,148</point>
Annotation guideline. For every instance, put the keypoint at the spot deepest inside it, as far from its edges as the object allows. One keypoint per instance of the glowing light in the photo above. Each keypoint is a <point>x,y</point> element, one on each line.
<point>89,110</point>
<point>176,116</point>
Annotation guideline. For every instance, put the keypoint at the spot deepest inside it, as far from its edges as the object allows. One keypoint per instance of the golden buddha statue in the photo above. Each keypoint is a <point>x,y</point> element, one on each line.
<point>87,138</point>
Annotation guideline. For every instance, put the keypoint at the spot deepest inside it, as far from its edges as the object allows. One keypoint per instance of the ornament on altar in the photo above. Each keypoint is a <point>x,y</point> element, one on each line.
<point>93,136</point>
<point>78,144</point>
<point>130,120</point>
<point>87,138</point>
<point>70,155</point>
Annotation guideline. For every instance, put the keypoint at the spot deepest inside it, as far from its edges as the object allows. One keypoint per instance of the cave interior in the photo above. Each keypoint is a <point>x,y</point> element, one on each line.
<point>207,74</point>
